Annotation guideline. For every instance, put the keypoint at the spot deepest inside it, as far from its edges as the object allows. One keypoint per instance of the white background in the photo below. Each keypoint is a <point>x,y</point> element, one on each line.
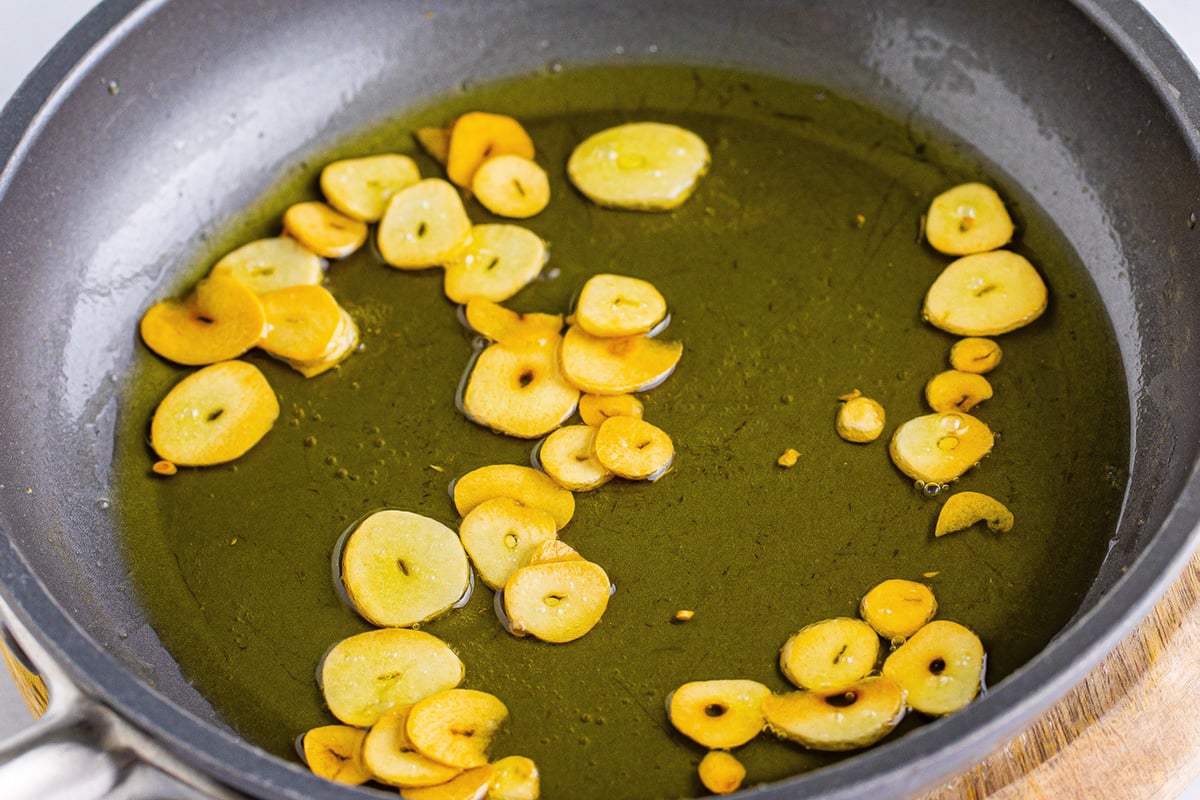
<point>29,28</point>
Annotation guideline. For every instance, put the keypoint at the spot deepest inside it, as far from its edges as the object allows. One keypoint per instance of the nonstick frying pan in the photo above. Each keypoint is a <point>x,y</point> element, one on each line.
<point>153,123</point>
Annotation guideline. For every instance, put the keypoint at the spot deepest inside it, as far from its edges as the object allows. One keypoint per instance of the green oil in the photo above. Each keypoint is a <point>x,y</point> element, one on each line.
<point>794,274</point>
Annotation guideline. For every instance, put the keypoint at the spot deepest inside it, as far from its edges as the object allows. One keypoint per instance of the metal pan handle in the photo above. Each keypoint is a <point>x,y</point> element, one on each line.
<point>80,749</point>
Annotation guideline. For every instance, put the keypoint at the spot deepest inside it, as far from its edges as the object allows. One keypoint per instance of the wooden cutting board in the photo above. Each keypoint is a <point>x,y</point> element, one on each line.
<point>1130,731</point>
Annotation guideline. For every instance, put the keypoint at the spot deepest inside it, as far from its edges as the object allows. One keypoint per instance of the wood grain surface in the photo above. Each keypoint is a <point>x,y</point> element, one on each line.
<point>1129,731</point>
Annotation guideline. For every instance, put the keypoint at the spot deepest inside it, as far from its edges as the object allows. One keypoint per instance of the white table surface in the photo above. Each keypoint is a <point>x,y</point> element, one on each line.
<point>30,28</point>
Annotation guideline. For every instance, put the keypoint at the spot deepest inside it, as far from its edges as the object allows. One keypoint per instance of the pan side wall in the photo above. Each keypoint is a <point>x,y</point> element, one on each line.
<point>195,109</point>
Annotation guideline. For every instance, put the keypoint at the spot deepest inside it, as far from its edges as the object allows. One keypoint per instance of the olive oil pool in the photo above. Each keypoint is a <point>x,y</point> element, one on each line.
<point>794,274</point>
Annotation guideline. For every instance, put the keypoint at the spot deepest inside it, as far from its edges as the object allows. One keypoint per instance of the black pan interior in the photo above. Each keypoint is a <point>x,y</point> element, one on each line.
<point>185,112</point>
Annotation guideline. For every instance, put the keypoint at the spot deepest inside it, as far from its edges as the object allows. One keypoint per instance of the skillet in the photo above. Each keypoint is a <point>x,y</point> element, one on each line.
<point>1087,106</point>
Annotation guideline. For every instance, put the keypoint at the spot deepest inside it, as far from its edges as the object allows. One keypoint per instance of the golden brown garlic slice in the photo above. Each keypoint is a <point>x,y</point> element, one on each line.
<point>718,714</point>
<point>519,391</point>
<point>390,758</point>
<point>333,752</point>
<point>343,343</point>
<point>301,322</point>
<point>556,601</point>
<point>504,326</point>
<point>221,319</point>
<point>471,784</point>
<point>594,409</point>
<point>477,136</point>
<point>633,448</point>
<point>568,456</point>
<point>940,667</point>
<point>846,719</point>
<point>524,484</point>
<point>435,142</point>
<point>975,354</point>
<point>956,391</point>
<point>720,772</point>
<point>514,778</point>
<point>553,550</point>
<point>897,608</point>
<point>494,263</point>
<point>618,305</point>
<point>500,534</point>
<point>618,365</point>
<point>324,230</point>
<point>964,509</point>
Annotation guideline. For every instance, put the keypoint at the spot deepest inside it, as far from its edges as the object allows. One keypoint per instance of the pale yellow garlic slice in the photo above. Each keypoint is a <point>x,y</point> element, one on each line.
<point>969,218</point>
<point>511,186</point>
<point>456,727</point>
<point>365,675</point>
<point>214,415</point>
<point>361,187</point>
<point>424,225</point>
<point>556,601</point>
<point>648,166</point>
<point>518,391</point>
<point>986,295</point>
<point>618,305</point>
<point>269,264</point>
<point>494,263</point>
<point>401,569</point>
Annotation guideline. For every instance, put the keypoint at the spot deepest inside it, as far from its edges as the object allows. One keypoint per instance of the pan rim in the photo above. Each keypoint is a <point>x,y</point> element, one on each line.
<point>976,731</point>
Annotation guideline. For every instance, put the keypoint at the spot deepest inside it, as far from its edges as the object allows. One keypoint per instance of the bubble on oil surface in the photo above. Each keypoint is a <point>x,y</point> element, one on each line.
<point>930,489</point>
